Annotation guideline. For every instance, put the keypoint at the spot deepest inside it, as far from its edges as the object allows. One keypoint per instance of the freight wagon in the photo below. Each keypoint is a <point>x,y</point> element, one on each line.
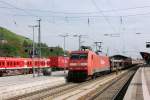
<point>120,62</point>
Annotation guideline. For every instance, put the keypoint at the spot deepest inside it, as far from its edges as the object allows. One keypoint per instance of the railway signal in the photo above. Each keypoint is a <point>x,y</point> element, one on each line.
<point>147,44</point>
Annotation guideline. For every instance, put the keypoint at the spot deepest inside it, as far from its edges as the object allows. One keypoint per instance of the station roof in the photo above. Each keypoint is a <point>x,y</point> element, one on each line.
<point>119,57</point>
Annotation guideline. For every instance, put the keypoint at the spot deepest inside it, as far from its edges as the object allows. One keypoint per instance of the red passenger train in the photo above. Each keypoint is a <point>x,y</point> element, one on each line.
<point>84,64</point>
<point>22,65</point>
<point>26,65</point>
<point>59,62</point>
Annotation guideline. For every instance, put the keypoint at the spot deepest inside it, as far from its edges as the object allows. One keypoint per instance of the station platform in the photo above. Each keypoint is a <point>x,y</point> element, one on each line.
<point>12,86</point>
<point>139,88</point>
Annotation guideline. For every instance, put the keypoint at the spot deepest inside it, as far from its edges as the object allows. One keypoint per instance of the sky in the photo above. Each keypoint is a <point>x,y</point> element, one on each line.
<point>119,19</point>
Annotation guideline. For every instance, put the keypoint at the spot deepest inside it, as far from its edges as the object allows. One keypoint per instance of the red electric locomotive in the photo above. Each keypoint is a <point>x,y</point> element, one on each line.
<point>84,64</point>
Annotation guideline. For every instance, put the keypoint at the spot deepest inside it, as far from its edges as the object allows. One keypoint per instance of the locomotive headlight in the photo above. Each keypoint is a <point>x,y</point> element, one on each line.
<point>73,64</point>
<point>78,64</point>
<point>83,64</point>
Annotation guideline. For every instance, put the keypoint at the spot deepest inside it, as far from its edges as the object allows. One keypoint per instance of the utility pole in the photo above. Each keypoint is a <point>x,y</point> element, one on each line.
<point>39,36</point>
<point>64,37</point>
<point>99,45</point>
<point>80,37</point>
<point>33,48</point>
<point>39,42</point>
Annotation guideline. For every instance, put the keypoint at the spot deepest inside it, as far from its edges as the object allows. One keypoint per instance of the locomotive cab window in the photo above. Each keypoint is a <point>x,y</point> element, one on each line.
<point>74,56</point>
<point>78,56</point>
<point>83,56</point>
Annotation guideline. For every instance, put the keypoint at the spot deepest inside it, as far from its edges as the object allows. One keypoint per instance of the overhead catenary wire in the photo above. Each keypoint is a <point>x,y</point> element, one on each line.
<point>90,16</point>
<point>28,11</point>
<point>6,3</point>
<point>67,17</point>
<point>81,14</point>
<point>63,12</point>
<point>105,17</point>
<point>82,19</point>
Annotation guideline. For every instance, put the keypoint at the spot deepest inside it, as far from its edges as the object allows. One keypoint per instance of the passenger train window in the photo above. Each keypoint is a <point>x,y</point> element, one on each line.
<point>7,63</point>
<point>14,63</point>
<point>17,63</point>
<point>92,57</point>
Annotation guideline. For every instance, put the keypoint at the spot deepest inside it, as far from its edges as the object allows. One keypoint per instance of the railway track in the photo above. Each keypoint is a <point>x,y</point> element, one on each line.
<point>105,84</point>
<point>79,91</point>
<point>55,91</point>
<point>113,90</point>
<point>41,93</point>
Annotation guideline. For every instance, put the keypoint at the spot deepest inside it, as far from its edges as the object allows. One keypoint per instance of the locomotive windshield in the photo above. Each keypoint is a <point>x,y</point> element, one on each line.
<point>78,56</point>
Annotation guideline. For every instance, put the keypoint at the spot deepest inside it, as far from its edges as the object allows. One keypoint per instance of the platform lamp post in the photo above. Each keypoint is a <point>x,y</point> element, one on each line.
<point>33,48</point>
<point>64,37</point>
